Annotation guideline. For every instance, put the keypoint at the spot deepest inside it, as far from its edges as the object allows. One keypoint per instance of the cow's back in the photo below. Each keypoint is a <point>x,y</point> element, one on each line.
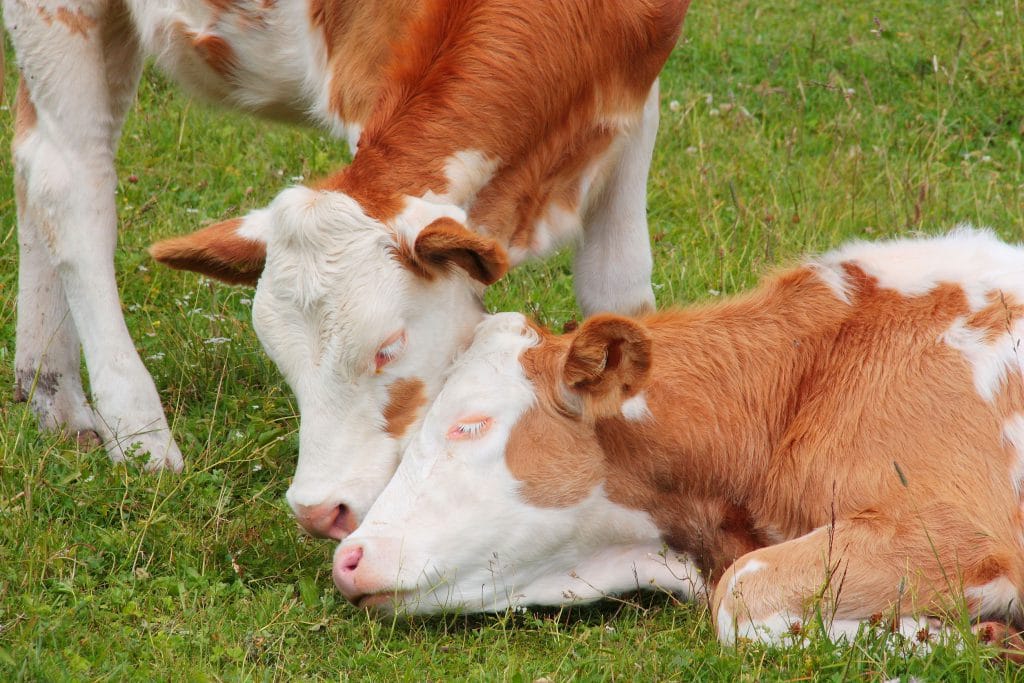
<point>918,405</point>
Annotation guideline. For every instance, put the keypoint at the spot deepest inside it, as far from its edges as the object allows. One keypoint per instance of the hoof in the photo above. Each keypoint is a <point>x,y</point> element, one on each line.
<point>88,439</point>
<point>158,445</point>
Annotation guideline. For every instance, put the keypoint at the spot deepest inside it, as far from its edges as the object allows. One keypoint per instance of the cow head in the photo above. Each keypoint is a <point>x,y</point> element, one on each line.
<point>361,317</point>
<point>500,499</point>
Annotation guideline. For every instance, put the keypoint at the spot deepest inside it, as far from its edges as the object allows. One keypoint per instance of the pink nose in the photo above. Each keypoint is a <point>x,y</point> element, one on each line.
<point>326,520</point>
<point>345,563</point>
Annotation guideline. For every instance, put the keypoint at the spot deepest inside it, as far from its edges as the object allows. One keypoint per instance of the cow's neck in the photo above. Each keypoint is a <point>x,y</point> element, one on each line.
<point>440,126</point>
<point>725,384</point>
<point>359,39</point>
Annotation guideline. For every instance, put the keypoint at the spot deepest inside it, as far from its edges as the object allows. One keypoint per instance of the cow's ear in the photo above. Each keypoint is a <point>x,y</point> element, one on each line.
<point>232,251</point>
<point>608,362</point>
<point>445,243</point>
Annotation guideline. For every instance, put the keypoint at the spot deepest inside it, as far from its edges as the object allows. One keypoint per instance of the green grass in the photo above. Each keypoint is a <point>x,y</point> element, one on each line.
<point>788,126</point>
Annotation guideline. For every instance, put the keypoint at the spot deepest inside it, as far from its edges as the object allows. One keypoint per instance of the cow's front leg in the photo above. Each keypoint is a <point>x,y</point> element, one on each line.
<point>77,87</point>
<point>834,581</point>
<point>47,359</point>
<point>612,269</point>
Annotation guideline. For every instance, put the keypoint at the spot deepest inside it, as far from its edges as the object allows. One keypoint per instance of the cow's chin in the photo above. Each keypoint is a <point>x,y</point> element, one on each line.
<point>474,597</point>
<point>413,604</point>
<point>384,603</point>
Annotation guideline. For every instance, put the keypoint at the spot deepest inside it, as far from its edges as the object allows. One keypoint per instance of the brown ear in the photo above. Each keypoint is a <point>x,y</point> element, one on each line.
<point>217,250</point>
<point>608,362</point>
<point>446,242</point>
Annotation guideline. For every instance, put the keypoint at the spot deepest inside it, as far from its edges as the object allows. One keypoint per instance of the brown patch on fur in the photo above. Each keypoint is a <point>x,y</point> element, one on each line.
<point>77,22</point>
<point>997,318</point>
<point>557,463</point>
<point>358,37</point>
<point>405,398</point>
<point>217,251</point>
<point>608,362</point>
<point>215,51</point>
<point>25,117</point>
<point>500,79</point>
<point>446,243</point>
<point>246,14</point>
<point>987,569</point>
<point>713,531</point>
<point>777,413</point>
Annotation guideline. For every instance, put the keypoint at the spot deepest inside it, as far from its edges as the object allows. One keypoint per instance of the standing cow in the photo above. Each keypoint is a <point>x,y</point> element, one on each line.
<point>848,437</point>
<point>486,132</point>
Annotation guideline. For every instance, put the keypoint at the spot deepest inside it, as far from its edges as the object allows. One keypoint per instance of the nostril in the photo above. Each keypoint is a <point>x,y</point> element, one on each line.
<point>350,559</point>
<point>344,522</point>
<point>327,520</point>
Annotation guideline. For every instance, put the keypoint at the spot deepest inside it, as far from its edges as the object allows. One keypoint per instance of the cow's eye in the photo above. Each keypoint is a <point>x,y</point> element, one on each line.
<point>469,428</point>
<point>389,350</point>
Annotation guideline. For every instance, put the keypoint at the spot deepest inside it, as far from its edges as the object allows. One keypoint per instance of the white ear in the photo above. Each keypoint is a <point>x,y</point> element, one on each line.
<point>421,212</point>
<point>256,225</point>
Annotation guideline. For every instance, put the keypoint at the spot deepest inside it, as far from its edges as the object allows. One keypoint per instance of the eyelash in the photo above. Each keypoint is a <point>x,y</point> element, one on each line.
<point>389,351</point>
<point>469,430</point>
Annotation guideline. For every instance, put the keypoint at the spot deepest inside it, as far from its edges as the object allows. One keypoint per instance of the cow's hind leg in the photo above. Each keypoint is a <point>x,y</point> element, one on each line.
<point>839,580</point>
<point>612,268</point>
<point>79,75</point>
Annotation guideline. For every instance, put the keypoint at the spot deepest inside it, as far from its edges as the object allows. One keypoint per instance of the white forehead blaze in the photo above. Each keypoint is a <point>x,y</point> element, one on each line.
<point>488,377</point>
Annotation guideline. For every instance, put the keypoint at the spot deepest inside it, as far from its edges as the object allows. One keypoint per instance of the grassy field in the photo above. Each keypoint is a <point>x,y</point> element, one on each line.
<point>787,126</point>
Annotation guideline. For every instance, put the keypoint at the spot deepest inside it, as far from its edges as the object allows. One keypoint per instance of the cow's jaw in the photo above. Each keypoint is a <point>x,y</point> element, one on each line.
<point>585,553</point>
<point>452,530</point>
<point>332,297</point>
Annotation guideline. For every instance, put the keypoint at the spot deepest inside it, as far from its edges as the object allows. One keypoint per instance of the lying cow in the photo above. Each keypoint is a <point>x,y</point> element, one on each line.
<point>488,132</point>
<point>849,436</point>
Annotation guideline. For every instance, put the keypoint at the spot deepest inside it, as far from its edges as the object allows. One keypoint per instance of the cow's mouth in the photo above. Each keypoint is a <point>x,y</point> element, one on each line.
<point>383,601</point>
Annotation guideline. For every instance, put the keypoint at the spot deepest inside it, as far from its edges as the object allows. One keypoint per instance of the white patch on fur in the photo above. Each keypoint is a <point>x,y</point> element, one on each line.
<point>612,266</point>
<point>256,225</point>
<point>556,226</point>
<point>518,255</point>
<point>635,408</point>
<point>418,213</point>
<point>1013,436</point>
<point>834,278</point>
<point>353,132</point>
<point>777,629</point>
<point>726,620</point>
<point>997,598</point>
<point>973,258</point>
<point>989,362</point>
<point>271,65</point>
<point>467,172</point>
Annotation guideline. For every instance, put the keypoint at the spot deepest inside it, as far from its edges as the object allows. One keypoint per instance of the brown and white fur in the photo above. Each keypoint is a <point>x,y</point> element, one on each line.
<point>848,437</point>
<point>486,132</point>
